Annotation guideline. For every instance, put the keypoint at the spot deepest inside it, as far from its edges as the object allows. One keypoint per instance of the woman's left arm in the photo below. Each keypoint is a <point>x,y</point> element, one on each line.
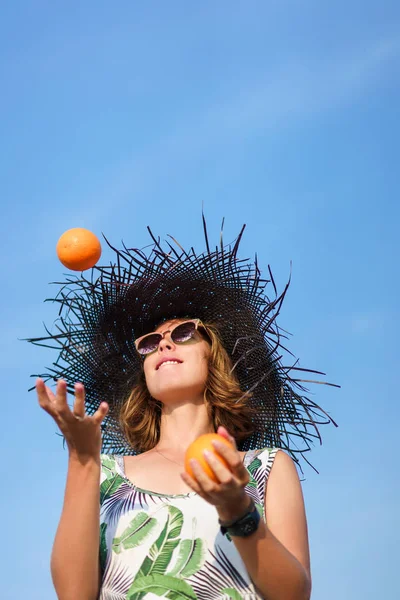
<point>276,555</point>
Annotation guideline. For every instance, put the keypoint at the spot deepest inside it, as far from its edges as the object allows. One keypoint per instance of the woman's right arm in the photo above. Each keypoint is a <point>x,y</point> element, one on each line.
<point>75,557</point>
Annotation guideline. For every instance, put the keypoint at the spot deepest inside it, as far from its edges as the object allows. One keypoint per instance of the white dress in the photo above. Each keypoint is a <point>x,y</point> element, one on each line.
<point>154,545</point>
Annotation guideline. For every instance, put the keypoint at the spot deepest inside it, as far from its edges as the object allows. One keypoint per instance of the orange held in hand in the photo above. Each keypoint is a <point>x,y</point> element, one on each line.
<point>196,448</point>
<point>78,249</point>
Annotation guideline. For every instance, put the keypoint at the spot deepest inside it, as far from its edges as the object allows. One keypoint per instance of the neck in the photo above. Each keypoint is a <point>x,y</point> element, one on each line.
<point>181,425</point>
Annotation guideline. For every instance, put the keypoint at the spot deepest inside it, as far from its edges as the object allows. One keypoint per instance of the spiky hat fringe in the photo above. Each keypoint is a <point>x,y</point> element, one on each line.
<point>101,315</point>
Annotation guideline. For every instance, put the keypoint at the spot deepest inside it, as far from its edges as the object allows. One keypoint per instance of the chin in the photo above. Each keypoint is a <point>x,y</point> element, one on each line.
<point>171,394</point>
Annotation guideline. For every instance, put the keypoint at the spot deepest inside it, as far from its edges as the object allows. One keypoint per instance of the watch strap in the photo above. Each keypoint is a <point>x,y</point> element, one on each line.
<point>244,525</point>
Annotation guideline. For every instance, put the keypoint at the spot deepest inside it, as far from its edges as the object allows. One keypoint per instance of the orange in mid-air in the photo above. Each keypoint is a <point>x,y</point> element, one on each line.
<point>196,448</point>
<point>78,249</point>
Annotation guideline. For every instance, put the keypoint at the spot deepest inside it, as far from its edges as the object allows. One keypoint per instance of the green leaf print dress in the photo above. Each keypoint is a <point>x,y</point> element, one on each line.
<point>170,546</point>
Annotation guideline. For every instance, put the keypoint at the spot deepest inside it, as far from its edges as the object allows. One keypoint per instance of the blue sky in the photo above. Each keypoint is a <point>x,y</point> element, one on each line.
<point>282,115</point>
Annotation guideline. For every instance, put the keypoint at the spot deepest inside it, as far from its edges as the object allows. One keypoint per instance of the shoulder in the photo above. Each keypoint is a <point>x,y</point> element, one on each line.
<point>284,468</point>
<point>109,465</point>
<point>272,466</point>
<point>111,476</point>
<point>272,457</point>
<point>283,487</point>
<point>262,458</point>
<point>107,460</point>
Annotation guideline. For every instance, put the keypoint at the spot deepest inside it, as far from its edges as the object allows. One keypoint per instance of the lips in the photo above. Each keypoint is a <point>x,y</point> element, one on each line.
<point>172,361</point>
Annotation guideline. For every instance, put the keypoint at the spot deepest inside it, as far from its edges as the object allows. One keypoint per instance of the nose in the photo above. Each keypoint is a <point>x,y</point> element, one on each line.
<point>166,343</point>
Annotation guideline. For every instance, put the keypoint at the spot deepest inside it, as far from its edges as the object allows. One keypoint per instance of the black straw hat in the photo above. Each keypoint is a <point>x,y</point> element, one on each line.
<point>101,316</point>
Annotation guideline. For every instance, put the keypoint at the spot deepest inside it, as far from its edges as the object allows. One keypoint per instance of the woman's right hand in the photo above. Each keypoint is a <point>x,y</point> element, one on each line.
<point>82,432</point>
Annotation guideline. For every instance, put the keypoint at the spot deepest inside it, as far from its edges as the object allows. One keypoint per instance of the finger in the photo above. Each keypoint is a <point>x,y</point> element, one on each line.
<point>191,483</point>
<point>207,485</point>
<point>43,397</point>
<point>60,401</point>
<point>101,412</point>
<point>50,393</point>
<point>224,475</point>
<point>227,452</point>
<point>225,433</point>
<point>79,402</point>
<point>43,388</point>
<point>231,455</point>
<point>234,460</point>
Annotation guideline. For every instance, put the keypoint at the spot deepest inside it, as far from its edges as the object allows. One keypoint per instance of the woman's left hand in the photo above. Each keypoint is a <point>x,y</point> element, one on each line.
<point>228,494</point>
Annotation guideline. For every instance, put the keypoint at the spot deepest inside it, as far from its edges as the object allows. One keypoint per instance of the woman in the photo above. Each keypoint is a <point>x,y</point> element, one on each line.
<point>179,345</point>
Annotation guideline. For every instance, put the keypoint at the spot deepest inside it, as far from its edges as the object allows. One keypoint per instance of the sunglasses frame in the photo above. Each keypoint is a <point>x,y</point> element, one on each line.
<point>197,323</point>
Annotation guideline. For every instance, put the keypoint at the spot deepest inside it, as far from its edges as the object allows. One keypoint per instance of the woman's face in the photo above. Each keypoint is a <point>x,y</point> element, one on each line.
<point>177,372</point>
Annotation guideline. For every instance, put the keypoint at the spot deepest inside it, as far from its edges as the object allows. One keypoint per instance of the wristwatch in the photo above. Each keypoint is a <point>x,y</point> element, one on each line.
<point>243,526</point>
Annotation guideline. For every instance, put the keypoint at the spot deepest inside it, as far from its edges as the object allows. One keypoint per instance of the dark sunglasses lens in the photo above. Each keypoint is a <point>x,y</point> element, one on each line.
<point>183,332</point>
<point>149,343</point>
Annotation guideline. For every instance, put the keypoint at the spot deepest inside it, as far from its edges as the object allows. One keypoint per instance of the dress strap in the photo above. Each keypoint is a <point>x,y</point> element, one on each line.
<point>249,457</point>
<point>119,461</point>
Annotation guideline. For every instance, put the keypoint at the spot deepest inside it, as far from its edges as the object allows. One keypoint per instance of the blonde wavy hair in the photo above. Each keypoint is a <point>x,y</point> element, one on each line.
<point>226,403</point>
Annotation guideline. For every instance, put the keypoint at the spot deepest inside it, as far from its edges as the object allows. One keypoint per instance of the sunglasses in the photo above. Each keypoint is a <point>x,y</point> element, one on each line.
<point>179,334</point>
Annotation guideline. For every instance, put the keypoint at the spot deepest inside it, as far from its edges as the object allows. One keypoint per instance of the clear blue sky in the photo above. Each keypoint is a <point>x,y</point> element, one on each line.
<point>283,115</point>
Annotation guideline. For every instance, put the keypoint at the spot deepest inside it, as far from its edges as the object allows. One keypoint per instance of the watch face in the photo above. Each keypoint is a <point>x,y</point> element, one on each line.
<point>247,526</point>
<point>244,526</point>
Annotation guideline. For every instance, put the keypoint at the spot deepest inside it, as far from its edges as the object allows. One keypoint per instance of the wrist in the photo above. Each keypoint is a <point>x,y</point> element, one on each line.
<point>232,512</point>
<point>244,525</point>
<point>79,460</point>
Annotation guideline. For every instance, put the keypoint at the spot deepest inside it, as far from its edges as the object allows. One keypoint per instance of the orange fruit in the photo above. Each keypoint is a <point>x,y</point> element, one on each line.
<point>196,448</point>
<point>78,249</point>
